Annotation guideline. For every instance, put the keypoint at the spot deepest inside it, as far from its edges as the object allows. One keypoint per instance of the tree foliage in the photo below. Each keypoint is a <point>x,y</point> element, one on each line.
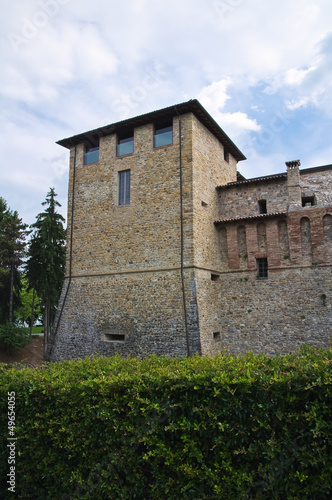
<point>12,250</point>
<point>46,255</point>
<point>29,310</point>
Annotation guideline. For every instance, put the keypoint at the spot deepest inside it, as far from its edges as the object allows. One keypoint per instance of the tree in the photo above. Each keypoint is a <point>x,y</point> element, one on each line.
<point>29,311</point>
<point>12,250</point>
<point>46,257</point>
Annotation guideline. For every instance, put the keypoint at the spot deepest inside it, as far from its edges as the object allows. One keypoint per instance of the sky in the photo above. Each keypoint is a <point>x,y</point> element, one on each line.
<point>261,68</point>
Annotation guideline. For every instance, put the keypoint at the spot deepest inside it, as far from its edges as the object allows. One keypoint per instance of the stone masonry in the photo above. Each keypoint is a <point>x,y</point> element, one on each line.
<point>199,259</point>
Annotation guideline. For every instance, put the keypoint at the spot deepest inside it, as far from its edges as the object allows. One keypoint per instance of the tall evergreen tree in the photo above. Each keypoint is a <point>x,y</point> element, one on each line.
<point>46,257</point>
<point>12,249</point>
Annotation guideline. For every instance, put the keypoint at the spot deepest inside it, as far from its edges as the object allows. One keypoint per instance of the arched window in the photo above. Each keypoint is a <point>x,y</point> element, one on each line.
<point>283,239</point>
<point>327,224</point>
<point>261,237</point>
<point>306,239</point>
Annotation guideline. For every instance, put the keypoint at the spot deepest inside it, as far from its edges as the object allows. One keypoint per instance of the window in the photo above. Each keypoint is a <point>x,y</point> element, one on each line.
<point>91,155</point>
<point>125,145</point>
<point>261,268</point>
<point>215,278</point>
<point>114,337</point>
<point>308,201</point>
<point>216,336</point>
<point>163,134</point>
<point>262,207</point>
<point>124,187</point>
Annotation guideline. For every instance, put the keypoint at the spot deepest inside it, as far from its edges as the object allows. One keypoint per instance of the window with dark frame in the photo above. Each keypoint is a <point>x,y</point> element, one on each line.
<point>124,187</point>
<point>262,268</point>
<point>125,143</point>
<point>91,155</point>
<point>163,134</point>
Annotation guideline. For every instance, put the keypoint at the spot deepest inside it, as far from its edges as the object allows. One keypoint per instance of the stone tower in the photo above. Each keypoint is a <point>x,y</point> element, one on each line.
<point>141,234</point>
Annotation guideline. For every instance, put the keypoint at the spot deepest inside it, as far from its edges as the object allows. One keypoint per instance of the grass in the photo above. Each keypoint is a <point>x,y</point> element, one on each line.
<point>35,329</point>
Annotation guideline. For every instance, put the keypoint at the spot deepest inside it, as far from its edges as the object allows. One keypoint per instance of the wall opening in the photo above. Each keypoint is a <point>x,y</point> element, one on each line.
<point>216,336</point>
<point>262,206</point>
<point>114,337</point>
<point>215,278</point>
<point>308,201</point>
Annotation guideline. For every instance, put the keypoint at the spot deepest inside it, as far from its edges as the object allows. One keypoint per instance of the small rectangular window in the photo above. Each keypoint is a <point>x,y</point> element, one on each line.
<point>262,269</point>
<point>163,134</point>
<point>91,155</point>
<point>216,336</point>
<point>114,337</point>
<point>215,278</point>
<point>124,187</point>
<point>125,145</point>
<point>308,201</point>
<point>262,207</point>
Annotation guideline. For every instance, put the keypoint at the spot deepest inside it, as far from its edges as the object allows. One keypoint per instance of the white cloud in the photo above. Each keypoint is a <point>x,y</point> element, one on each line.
<point>295,76</point>
<point>297,103</point>
<point>95,63</point>
<point>239,120</point>
<point>214,96</point>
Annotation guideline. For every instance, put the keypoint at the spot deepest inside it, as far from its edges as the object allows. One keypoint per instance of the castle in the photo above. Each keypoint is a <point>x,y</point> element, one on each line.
<point>171,251</point>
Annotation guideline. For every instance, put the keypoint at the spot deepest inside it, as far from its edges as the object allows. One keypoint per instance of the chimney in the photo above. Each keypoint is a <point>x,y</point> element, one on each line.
<point>293,185</point>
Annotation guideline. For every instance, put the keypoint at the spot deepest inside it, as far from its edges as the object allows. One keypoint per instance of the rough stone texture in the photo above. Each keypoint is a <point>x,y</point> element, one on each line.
<point>277,315</point>
<point>141,279</point>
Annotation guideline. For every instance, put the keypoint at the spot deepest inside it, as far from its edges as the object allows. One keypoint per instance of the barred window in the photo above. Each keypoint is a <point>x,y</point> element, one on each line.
<point>124,187</point>
<point>262,268</point>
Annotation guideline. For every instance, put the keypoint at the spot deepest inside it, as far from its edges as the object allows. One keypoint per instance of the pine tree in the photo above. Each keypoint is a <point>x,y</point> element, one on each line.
<point>46,257</point>
<point>12,250</point>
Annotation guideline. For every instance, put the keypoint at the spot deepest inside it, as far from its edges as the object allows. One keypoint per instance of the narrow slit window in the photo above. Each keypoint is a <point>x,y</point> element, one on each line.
<point>262,268</point>
<point>163,134</point>
<point>124,187</point>
<point>262,207</point>
<point>114,337</point>
<point>125,145</point>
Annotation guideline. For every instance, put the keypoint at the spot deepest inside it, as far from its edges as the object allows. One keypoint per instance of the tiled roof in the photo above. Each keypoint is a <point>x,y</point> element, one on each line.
<point>252,217</point>
<point>266,178</point>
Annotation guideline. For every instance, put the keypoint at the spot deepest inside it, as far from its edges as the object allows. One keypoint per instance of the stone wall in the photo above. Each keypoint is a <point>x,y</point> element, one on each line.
<point>241,199</point>
<point>126,289</point>
<point>159,276</point>
<point>240,313</point>
<point>131,314</point>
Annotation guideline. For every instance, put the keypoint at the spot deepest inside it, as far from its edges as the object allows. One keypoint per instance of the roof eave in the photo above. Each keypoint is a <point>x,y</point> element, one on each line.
<point>193,106</point>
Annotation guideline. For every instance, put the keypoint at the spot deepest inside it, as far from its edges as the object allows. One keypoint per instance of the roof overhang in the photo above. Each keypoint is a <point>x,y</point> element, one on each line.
<point>193,106</point>
<point>274,215</point>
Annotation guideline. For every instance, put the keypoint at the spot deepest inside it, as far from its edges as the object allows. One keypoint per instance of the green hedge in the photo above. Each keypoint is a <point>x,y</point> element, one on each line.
<point>249,427</point>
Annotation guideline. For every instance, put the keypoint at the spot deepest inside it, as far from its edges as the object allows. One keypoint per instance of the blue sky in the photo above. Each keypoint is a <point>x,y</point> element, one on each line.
<point>262,68</point>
